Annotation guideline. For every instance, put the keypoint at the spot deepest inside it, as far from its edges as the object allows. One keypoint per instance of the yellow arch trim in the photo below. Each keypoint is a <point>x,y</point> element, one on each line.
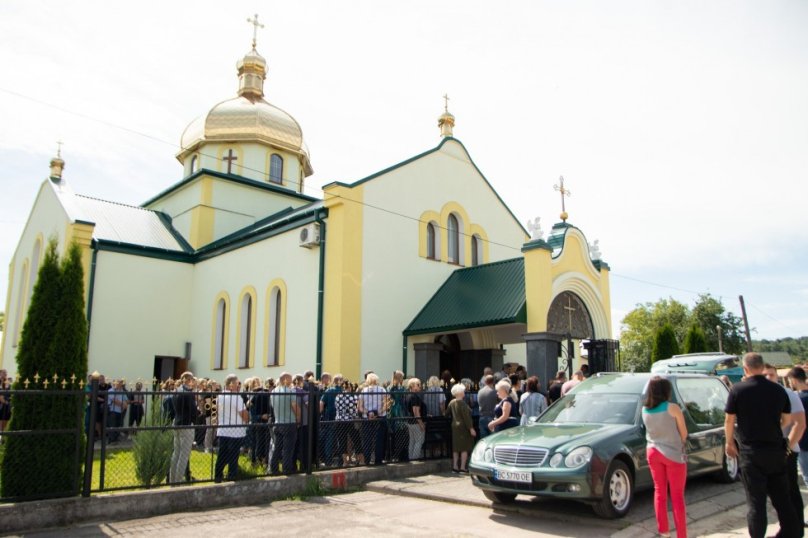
<point>281,285</point>
<point>465,235</point>
<point>248,290</point>
<point>239,158</point>
<point>223,296</point>
<point>425,218</point>
<point>476,229</point>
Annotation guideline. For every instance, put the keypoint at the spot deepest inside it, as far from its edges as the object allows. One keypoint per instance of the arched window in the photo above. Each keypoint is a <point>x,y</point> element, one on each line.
<point>431,244</point>
<point>20,304</point>
<point>453,231</point>
<point>276,314</point>
<point>34,268</point>
<point>276,168</point>
<point>194,163</point>
<point>475,250</point>
<point>219,334</point>
<point>246,330</point>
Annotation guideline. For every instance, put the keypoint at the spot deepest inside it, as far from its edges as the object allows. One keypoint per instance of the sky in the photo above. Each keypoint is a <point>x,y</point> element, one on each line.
<point>680,128</point>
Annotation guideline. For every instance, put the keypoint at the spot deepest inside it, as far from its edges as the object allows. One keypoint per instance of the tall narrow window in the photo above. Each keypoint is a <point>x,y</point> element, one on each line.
<point>430,241</point>
<point>20,305</point>
<point>219,335</point>
<point>453,231</point>
<point>475,250</point>
<point>245,340</point>
<point>275,307</point>
<point>194,163</point>
<point>276,168</point>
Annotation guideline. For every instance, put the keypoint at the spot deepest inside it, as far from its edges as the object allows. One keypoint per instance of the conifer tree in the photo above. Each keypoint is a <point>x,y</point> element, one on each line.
<point>665,344</point>
<point>53,342</point>
<point>695,340</point>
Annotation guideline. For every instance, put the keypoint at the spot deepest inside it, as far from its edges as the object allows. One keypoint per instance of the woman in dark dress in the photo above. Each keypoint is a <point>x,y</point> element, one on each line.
<point>502,412</point>
<point>416,409</point>
<point>463,433</point>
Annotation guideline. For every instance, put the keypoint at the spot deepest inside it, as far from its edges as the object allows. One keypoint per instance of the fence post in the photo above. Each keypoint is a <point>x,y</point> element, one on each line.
<point>314,403</point>
<point>88,456</point>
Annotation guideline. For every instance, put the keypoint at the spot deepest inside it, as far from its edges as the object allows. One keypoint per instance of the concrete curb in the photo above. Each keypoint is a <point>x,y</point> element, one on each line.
<point>37,515</point>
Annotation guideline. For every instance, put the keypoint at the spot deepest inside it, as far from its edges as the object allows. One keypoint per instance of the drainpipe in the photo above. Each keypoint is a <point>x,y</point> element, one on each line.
<point>93,263</point>
<point>404,354</point>
<point>320,296</point>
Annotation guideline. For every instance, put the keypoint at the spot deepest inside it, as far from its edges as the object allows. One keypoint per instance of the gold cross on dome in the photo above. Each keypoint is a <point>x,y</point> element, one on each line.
<point>256,25</point>
<point>59,148</point>
<point>446,102</point>
<point>564,193</point>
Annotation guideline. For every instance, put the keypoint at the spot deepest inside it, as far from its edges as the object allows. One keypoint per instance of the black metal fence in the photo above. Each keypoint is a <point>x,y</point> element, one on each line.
<point>144,439</point>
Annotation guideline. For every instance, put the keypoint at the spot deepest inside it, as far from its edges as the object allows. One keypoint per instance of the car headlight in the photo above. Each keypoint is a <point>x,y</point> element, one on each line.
<point>556,460</point>
<point>488,455</point>
<point>477,453</point>
<point>579,456</point>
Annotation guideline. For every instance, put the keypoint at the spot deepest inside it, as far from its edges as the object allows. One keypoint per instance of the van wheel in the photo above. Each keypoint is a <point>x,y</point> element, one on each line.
<point>618,492</point>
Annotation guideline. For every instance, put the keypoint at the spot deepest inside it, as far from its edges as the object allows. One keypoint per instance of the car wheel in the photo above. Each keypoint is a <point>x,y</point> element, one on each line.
<point>499,497</point>
<point>729,472</point>
<point>618,492</point>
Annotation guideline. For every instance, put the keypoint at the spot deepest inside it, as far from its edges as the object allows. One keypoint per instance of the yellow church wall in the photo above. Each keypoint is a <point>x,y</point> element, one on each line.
<point>344,280</point>
<point>538,288</point>
<point>397,280</point>
<point>259,266</point>
<point>144,303</point>
<point>573,271</point>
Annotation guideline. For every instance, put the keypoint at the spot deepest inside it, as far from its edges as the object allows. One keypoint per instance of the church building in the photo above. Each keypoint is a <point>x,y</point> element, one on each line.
<point>420,266</point>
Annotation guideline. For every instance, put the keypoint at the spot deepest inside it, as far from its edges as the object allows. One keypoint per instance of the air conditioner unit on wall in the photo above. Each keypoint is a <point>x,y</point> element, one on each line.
<point>309,235</point>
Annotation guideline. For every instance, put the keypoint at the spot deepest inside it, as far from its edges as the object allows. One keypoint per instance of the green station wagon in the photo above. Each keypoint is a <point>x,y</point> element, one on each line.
<point>590,445</point>
<point>701,363</point>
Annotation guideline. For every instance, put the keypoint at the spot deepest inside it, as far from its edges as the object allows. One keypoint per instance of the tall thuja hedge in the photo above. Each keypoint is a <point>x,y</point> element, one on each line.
<point>695,340</point>
<point>53,341</point>
<point>665,343</point>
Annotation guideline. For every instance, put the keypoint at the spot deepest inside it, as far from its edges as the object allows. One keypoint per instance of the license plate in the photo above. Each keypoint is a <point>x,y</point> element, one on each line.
<point>514,476</point>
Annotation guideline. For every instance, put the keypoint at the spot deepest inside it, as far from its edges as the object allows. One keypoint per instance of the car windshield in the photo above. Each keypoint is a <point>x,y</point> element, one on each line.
<point>594,408</point>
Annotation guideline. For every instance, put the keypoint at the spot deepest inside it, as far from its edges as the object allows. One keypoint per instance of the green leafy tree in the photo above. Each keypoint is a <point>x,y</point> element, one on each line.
<point>665,343</point>
<point>709,313</point>
<point>695,341</point>
<point>797,348</point>
<point>53,347</point>
<point>640,325</point>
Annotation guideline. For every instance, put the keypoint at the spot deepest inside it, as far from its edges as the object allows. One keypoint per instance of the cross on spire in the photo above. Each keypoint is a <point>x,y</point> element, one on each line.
<point>59,148</point>
<point>256,25</point>
<point>446,102</point>
<point>564,193</point>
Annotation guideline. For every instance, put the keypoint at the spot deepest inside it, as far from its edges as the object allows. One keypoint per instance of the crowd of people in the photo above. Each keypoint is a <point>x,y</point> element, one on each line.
<point>368,423</point>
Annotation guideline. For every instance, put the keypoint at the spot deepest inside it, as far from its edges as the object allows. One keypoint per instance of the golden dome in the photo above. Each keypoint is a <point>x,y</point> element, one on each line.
<point>247,118</point>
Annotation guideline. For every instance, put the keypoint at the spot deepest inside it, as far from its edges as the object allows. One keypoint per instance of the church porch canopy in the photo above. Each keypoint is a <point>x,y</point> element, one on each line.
<point>486,295</point>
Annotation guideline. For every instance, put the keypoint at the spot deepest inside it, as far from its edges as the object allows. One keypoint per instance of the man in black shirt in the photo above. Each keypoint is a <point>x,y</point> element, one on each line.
<point>761,408</point>
<point>184,414</point>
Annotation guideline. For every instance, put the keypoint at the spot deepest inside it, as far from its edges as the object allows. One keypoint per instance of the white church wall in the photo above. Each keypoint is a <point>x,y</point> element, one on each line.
<point>397,283</point>
<point>47,220</point>
<point>141,308</point>
<point>178,206</point>
<point>256,266</point>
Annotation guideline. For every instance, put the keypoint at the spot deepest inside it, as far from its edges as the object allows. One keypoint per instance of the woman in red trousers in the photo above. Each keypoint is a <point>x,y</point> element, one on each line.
<point>666,435</point>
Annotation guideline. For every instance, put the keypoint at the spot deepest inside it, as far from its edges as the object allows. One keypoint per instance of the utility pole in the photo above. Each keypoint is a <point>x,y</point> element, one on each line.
<point>745,324</point>
<point>720,339</point>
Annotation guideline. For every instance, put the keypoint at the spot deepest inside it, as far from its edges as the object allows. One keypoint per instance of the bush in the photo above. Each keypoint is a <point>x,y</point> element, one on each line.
<point>665,344</point>
<point>152,449</point>
<point>695,340</point>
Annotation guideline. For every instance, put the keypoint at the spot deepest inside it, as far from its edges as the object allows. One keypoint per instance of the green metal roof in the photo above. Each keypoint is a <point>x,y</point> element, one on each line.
<point>481,296</point>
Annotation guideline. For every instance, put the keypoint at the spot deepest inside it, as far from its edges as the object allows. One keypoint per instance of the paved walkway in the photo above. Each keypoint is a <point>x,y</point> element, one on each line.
<point>714,510</point>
